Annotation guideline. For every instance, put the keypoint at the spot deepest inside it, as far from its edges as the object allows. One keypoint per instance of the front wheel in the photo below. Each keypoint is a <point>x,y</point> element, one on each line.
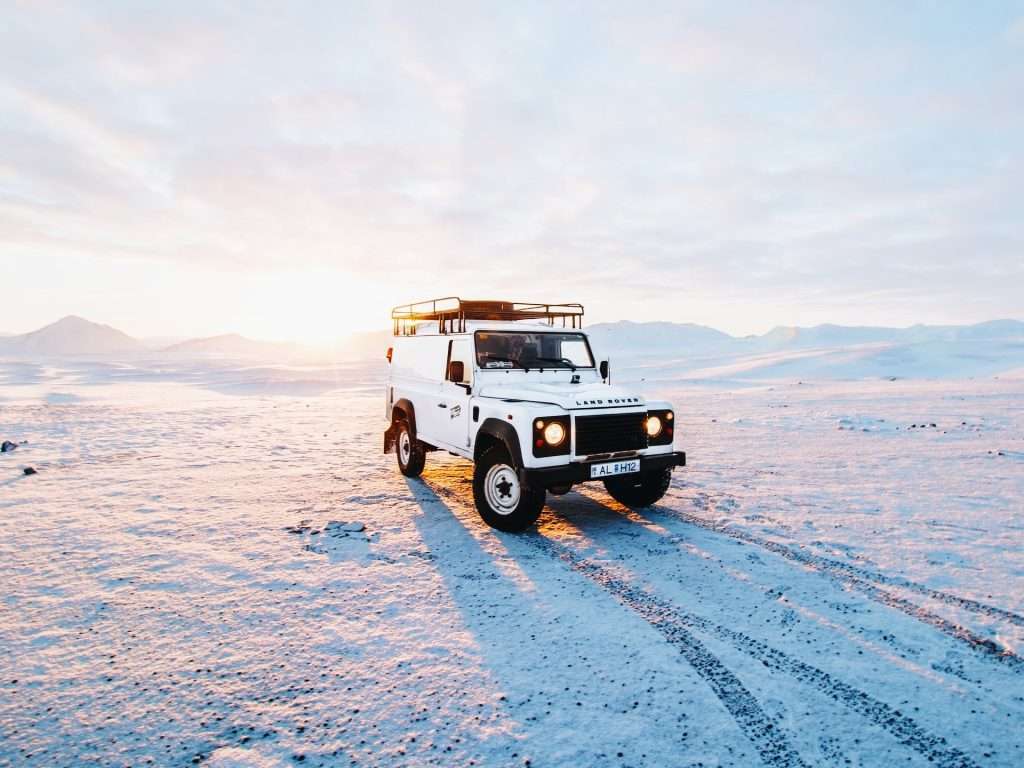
<point>639,490</point>
<point>501,499</point>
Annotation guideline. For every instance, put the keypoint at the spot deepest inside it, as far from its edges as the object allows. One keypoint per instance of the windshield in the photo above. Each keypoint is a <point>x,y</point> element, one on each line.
<point>531,350</point>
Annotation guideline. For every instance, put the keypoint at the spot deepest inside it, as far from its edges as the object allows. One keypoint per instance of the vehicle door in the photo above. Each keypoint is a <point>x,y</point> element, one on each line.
<point>454,402</point>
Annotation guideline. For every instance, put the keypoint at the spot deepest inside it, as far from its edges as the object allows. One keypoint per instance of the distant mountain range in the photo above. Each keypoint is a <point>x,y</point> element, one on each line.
<point>231,345</point>
<point>652,350</point>
<point>74,336</point>
<point>636,338</point>
<point>71,335</point>
<point>672,352</point>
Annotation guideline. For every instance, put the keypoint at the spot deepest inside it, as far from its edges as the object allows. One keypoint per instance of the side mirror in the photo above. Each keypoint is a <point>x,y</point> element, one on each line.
<point>456,371</point>
<point>603,368</point>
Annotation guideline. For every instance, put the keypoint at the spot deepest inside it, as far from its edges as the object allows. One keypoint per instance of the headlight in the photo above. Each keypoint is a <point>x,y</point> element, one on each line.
<point>653,426</point>
<point>554,433</point>
<point>551,436</point>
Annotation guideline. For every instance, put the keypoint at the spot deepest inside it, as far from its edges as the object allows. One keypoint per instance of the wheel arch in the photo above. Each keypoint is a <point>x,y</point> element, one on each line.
<point>402,410</point>
<point>497,432</point>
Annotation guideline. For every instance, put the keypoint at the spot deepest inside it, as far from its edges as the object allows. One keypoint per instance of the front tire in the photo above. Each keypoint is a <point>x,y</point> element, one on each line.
<point>501,498</point>
<point>639,490</point>
<point>410,451</point>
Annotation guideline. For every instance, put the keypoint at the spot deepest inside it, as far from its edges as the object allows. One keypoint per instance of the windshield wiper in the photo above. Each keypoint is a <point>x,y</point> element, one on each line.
<point>563,360</point>
<point>503,359</point>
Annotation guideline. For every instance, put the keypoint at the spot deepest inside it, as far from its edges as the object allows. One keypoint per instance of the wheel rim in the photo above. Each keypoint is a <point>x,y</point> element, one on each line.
<point>502,489</point>
<point>404,447</point>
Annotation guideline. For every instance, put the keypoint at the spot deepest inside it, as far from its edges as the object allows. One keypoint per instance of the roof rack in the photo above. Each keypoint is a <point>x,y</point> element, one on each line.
<point>451,314</point>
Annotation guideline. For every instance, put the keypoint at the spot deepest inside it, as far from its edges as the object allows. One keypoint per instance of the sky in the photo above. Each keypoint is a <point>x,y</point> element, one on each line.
<point>292,170</point>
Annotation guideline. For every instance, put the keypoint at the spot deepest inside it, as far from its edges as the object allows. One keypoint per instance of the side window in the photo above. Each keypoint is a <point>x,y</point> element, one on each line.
<point>459,351</point>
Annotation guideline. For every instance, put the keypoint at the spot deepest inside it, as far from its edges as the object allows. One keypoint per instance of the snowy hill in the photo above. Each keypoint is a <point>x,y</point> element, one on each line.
<point>840,336</point>
<point>70,335</point>
<point>638,338</point>
<point>368,345</point>
<point>233,345</point>
<point>822,352</point>
<point>824,336</point>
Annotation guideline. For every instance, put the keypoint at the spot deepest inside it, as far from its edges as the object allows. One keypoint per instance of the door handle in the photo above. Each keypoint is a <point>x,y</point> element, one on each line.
<point>442,405</point>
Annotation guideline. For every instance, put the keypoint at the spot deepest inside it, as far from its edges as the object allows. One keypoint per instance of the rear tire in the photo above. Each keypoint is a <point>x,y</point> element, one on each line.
<point>501,498</point>
<point>639,490</point>
<point>412,455</point>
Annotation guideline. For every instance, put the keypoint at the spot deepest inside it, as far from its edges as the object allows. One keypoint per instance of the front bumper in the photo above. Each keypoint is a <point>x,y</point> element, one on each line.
<point>579,472</point>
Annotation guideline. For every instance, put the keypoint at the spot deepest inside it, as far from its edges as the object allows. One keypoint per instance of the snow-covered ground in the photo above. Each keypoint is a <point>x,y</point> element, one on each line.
<point>836,579</point>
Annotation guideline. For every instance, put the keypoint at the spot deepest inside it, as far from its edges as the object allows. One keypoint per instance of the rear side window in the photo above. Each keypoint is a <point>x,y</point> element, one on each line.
<point>420,358</point>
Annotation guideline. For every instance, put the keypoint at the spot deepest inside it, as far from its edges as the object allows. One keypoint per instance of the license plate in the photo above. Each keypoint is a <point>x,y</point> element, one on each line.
<point>615,468</point>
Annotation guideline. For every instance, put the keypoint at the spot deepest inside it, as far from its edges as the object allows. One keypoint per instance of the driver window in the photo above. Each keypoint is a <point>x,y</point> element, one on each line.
<point>575,350</point>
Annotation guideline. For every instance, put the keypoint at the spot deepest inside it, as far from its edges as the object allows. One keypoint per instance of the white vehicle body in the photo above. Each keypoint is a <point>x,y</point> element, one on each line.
<point>449,416</point>
<point>496,402</point>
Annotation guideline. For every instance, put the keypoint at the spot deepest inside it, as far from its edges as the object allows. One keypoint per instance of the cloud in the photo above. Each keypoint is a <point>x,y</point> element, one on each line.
<point>1015,32</point>
<point>794,156</point>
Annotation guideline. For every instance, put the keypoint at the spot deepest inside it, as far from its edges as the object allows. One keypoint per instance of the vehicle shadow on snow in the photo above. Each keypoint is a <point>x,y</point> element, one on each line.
<point>496,600</point>
<point>559,647</point>
<point>537,640</point>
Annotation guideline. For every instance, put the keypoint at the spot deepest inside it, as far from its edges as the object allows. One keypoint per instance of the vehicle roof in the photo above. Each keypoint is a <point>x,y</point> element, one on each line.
<point>430,328</point>
<point>452,313</point>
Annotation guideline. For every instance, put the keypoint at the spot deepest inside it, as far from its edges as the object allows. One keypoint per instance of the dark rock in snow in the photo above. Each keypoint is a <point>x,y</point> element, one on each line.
<point>7,445</point>
<point>341,528</point>
<point>30,471</point>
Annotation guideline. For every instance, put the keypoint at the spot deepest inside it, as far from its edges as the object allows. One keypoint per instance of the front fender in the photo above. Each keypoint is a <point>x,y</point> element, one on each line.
<point>506,434</point>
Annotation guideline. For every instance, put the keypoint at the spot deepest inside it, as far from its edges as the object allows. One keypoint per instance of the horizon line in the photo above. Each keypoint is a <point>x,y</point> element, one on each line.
<point>178,339</point>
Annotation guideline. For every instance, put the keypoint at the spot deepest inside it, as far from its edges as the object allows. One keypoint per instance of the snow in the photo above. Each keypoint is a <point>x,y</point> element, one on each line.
<point>215,564</point>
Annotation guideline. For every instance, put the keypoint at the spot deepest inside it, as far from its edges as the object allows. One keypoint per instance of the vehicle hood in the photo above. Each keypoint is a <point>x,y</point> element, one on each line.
<point>568,396</point>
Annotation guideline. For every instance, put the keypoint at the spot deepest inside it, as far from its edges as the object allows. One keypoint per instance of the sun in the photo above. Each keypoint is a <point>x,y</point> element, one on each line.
<point>312,306</point>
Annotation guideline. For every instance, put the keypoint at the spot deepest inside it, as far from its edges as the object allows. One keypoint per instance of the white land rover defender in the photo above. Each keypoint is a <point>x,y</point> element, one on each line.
<point>514,388</point>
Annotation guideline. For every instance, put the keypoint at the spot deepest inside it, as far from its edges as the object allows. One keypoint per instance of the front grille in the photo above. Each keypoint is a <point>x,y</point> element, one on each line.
<point>610,433</point>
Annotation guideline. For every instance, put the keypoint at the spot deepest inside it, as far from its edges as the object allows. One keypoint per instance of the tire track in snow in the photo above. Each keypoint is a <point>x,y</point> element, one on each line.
<point>818,561</point>
<point>676,625</point>
<point>756,724</point>
<point>868,582</point>
<point>985,646</point>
